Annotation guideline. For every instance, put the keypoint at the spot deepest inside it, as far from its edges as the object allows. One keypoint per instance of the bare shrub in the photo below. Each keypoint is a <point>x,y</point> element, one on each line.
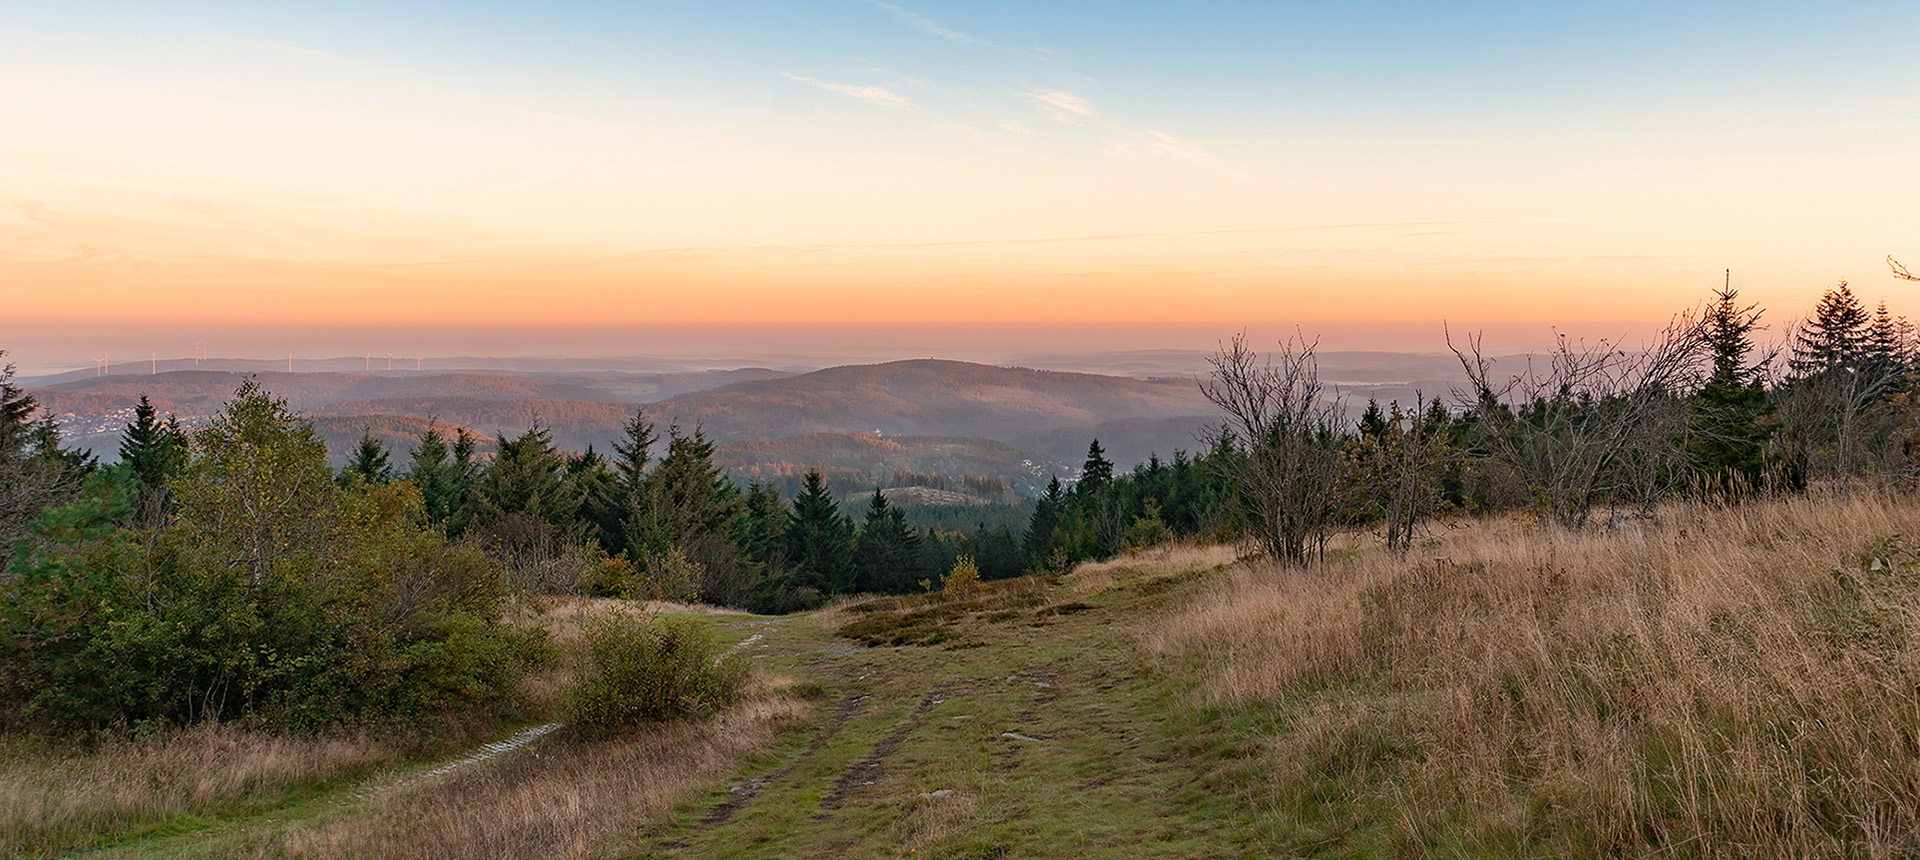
<point>1591,421</point>
<point>1284,435</point>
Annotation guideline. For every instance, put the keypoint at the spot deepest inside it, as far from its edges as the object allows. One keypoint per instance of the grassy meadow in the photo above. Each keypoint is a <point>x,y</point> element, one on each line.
<point>1710,682</point>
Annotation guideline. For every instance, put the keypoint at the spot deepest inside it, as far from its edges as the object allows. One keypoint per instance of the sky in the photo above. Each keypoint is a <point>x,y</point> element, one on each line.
<point>955,178</point>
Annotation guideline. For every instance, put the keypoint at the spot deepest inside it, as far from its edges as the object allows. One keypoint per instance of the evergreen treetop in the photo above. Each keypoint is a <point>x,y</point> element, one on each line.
<point>370,462</point>
<point>1097,472</point>
<point>1835,338</point>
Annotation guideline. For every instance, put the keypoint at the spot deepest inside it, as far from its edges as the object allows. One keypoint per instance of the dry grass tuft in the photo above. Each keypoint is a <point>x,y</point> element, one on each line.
<point>1169,559</point>
<point>52,800</point>
<point>1716,682</point>
<point>938,618</point>
<point>935,818</point>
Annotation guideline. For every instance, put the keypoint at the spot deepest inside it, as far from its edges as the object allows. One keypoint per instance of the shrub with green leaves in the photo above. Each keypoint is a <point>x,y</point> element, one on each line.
<point>273,595</point>
<point>637,670</point>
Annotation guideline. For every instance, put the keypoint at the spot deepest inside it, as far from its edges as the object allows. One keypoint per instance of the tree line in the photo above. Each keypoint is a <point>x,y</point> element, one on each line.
<point>225,570</point>
<point>1586,431</point>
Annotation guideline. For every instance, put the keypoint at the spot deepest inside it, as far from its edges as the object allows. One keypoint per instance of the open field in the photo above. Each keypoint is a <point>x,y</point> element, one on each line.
<point>1711,682</point>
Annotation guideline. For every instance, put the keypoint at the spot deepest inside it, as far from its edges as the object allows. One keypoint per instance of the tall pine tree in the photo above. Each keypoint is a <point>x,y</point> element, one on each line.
<point>370,463</point>
<point>153,450</point>
<point>1048,511</point>
<point>1835,337</point>
<point>432,472</point>
<point>819,541</point>
<point>888,557</point>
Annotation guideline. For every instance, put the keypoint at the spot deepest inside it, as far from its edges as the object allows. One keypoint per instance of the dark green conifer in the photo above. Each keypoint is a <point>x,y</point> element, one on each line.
<point>1048,511</point>
<point>370,463</point>
<point>633,450</point>
<point>432,472</point>
<point>1096,473</point>
<point>1729,438</point>
<point>820,540</point>
<point>1373,422</point>
<point>1835,338</point>
<point>153,450</point>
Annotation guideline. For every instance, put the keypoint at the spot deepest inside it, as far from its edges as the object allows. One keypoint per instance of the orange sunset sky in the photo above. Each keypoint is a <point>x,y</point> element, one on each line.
<point>964,178</point>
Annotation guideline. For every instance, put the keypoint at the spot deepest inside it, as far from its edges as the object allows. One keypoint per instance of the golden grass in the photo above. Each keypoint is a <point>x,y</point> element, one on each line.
<point>52,798</point>
<point>56,796</point>
<point>1714,682</point>
<point>1166,559</point>
<point>564,798</point>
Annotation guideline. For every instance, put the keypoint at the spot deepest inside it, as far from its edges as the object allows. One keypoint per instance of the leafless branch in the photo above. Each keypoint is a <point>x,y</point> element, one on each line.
<point>1578,429</point>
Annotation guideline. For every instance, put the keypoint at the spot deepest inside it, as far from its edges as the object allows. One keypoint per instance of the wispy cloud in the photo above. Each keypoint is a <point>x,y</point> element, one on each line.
<point>873,95</point>
<point>1062,106</point>
<point>1016,128</point>
<point>924,24</point>
<point>1161,143</point>
<point>1149,144</point>
<point>1364,225</point>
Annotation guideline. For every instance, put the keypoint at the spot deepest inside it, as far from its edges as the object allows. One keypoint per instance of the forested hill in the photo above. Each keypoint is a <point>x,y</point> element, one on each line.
<point>1047,412</point>
<point>930,397</point>
<point>201,392</point>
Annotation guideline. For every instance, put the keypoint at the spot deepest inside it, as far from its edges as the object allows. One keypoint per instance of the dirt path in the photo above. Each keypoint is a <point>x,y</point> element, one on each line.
<point>1027,730</point>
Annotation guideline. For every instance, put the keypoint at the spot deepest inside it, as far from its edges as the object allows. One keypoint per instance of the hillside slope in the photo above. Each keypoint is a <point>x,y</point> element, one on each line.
<point>1048,413</point>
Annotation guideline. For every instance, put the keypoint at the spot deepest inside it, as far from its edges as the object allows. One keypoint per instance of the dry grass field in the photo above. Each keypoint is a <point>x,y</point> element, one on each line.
<point>1713,683</point>
<point>1710,682</point>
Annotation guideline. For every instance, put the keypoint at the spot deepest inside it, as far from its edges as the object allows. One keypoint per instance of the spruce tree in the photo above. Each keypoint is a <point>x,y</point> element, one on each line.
<point>1373,422</point>
<point>820,540</point>
<point>370,462</point>
<point>527,480</point>
<point>1096,473</point>
<point>153,450</point>
<point>465,472</point>
<point>1836,336</point>
<point>888,556</point>
<point>761,530</point>
<point>432,473</point>
<point>1730,430</point>
<point>1048,511</point>
<point>16,415</point>
<point>1885,348</point>
<point>686,496</point>
<point>632,451</point>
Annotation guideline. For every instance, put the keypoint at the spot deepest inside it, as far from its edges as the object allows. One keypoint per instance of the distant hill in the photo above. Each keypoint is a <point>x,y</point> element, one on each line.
<point>854,421</point>
<point>950,398</point>
<point>574,424</point>
<point>201,392</point>
<point>1047,417</point>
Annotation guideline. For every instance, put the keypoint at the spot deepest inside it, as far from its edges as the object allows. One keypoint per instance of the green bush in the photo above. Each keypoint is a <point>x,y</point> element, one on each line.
<point>643,670</point>
<point>274,596</point>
